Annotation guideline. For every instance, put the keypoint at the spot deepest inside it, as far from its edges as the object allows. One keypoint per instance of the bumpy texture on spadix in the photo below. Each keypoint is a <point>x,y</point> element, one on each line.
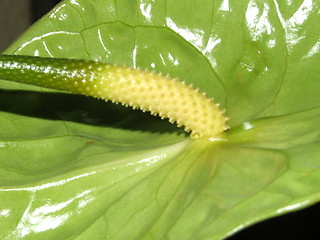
<point>160,95</point>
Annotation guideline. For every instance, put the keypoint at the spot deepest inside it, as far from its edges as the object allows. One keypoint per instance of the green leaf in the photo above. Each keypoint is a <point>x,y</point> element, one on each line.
<point>72,167</point>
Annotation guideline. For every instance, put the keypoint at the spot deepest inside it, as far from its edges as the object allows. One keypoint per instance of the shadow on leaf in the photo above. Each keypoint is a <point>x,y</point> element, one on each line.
<point>80,109</point>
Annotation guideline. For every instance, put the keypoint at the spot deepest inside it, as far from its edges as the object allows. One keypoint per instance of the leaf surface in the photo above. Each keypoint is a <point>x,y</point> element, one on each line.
<point>72,167</point>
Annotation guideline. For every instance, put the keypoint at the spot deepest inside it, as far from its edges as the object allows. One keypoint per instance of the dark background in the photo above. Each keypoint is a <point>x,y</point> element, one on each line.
<point>17,15</point>
<point>303,224</point>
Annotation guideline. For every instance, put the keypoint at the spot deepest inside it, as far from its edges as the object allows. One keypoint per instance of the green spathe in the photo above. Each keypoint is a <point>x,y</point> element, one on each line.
<point>104,172</point>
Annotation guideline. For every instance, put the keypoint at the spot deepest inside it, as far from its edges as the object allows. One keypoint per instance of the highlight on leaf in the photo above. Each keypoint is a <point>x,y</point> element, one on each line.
<point>160,95</point>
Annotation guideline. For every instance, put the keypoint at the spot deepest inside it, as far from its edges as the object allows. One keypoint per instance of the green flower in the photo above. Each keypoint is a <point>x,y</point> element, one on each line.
<point>73,167</point>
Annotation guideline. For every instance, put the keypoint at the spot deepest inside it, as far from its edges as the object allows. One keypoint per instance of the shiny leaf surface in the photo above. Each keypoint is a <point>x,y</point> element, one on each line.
<point>78,168</point>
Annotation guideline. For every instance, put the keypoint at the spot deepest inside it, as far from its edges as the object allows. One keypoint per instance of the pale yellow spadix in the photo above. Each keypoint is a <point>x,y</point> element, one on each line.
<point>157,94</point>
